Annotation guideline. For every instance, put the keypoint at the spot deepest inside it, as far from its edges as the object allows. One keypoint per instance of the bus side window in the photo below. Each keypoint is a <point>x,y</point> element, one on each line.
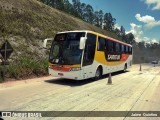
<point>107,46</point>
<point>114,47</point>
<point>111,46</point>
<point>101,44</point>
<point>122,48</point>
<point>126,49</point>
<point>117,47</point>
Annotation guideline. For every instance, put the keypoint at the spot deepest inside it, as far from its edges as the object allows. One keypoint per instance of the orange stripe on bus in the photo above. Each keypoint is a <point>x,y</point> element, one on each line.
<point>124,57</point>
<point>63,68</point>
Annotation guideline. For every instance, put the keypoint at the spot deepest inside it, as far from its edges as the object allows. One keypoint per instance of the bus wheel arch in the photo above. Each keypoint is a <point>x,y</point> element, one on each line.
<point>98,73</point>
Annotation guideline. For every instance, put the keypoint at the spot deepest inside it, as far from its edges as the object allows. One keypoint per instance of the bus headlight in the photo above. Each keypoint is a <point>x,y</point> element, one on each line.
<point>75,69</point>
<point>50,66</point>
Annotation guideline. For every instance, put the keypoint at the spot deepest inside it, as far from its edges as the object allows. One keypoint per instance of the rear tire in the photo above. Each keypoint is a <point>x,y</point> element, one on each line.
<point>98,73</point>
<point>125,68</point>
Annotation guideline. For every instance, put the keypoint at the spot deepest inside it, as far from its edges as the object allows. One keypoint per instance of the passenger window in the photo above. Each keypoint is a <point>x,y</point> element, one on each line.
<point>122,49</point>
<point>126,49</point>
<point>110,46</point>
<point>117,47</point>
<point>114,47</point>
<point>101,44</point>
<point>107,46</point>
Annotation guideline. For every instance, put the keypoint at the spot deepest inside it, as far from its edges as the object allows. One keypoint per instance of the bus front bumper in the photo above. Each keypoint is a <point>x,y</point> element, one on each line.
<point>75,75</point>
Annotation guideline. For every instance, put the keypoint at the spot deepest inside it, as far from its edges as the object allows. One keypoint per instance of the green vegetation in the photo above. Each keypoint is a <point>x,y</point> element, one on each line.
<point>146,52</point>
<point>27,67</point>
<point>25,23</point>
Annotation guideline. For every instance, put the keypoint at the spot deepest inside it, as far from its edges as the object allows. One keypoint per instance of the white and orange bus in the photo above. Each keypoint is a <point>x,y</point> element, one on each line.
<point>83,54</point>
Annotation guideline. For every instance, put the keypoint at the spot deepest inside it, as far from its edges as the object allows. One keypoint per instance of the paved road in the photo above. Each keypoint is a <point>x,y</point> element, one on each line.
<point>131,91</point>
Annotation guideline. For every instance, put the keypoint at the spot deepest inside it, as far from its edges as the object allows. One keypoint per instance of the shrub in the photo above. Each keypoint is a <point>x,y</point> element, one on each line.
<point>27,66</point>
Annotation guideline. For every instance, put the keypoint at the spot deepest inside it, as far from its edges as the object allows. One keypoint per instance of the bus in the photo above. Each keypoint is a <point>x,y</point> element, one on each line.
<point>80,55</point>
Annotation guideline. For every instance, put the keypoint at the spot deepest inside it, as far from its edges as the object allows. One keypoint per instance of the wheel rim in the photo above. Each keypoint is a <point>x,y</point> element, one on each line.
<point>125,68</point>
<point>97,73</point>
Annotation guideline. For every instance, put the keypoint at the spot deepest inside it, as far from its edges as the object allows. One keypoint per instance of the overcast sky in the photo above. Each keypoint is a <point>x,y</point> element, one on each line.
<point>141,17</point>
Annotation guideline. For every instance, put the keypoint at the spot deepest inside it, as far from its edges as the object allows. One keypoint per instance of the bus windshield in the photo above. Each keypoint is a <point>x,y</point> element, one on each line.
<point>65,49</point>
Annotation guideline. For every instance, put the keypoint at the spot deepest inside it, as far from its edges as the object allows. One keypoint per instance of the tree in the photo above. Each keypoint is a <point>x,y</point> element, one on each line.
<point>109,22</point>
<point>77,8</point>
<point>89,14</point>
<point>76,4</point>
<point>117,31</point>
<point>52,3</point>
<point>130,38</point>
<point>59,4</point>
<point>68,7</point>
<point>100,16</point>
<point>141,45</point>
<point>49,2</point>
<point>122,30</point>
<point>96,19</point>
<point>124,38</point>
<point>83,11</point>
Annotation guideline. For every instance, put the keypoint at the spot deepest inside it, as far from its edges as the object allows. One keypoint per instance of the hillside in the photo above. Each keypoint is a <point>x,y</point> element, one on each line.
<point>26,23</point>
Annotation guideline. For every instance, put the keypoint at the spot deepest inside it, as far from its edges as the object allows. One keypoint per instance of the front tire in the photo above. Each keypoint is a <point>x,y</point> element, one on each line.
<point>98,73</point>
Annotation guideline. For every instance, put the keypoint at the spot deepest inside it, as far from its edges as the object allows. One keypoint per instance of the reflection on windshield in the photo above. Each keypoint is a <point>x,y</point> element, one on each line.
<point>65,49</point>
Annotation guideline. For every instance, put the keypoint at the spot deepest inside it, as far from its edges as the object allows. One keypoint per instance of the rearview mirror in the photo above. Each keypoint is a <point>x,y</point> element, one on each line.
<point>47,43</point>
<point>82,42</point>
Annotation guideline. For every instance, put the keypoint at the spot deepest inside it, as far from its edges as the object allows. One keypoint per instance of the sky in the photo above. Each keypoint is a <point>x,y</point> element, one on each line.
<point>141,17</point>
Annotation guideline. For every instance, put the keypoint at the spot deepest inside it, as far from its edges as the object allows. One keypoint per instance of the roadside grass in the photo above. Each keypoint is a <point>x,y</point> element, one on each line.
<point>26,67</point>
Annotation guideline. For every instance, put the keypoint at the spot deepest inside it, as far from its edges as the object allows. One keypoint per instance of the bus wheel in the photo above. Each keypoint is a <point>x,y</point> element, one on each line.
<point>98,74</point>
<point>125,68</point>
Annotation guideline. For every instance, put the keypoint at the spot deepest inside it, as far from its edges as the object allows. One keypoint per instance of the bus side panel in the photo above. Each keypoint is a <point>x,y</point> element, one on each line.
<point>111,66</point>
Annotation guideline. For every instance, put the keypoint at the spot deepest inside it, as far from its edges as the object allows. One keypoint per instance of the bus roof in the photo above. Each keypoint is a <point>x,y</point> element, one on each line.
<point>105,36</point>
<point>73,31</point>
